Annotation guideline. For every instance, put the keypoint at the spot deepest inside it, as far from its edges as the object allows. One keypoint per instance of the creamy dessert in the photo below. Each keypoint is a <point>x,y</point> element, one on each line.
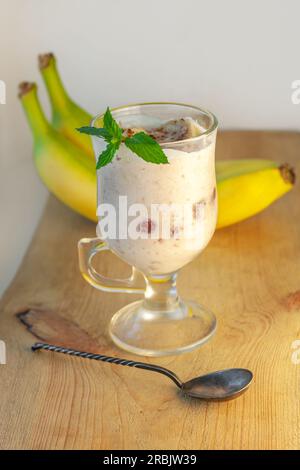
<point>187,182</point>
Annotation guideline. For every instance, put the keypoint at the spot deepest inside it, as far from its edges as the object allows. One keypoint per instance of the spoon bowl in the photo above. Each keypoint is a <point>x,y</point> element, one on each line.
<point>220,385</point>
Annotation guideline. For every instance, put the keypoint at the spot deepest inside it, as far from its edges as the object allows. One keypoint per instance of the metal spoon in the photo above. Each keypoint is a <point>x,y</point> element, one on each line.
<point>219,385</point>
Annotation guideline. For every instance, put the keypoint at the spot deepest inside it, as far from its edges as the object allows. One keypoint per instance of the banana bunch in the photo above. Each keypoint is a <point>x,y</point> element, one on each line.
<point>63,166</point>
<point>65,162</point>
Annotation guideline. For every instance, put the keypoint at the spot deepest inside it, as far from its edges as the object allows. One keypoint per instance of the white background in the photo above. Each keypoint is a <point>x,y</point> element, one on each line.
<point>237,58</point>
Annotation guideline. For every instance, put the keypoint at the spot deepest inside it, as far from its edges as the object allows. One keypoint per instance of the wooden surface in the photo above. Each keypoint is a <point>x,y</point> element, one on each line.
<point>249,275</point>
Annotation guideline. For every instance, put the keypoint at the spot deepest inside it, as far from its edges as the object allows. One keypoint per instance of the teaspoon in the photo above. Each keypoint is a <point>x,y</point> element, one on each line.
<point>220,385</point>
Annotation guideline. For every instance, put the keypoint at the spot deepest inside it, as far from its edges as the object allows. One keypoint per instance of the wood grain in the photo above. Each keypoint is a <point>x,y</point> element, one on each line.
<point>249,275</point>
<point>51,327</point>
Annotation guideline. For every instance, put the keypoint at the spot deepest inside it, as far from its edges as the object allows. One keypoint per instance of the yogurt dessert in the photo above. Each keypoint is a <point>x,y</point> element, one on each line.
<point>187,182</point>
<point>156,177</point>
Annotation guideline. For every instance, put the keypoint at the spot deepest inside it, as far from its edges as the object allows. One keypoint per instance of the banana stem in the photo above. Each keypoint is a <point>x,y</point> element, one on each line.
<point>57,93</point>
<point>33,110</point>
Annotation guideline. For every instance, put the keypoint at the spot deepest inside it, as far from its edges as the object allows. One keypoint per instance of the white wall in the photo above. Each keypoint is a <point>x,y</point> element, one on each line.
<point>235,57</point>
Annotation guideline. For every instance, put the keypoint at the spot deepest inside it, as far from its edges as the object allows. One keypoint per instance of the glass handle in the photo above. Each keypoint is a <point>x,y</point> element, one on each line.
<point>88,248</point>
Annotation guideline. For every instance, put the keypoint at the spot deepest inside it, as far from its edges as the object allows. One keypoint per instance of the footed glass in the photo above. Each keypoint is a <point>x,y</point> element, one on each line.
<point>157,218</point>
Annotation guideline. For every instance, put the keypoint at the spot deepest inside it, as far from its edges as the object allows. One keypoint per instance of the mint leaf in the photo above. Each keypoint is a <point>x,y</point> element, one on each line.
<point>111,131</point>
<point>107,155</point>
<point>146,148</point>
<point>141,143</point>
<point>112,126</point>
<point>97,131</point>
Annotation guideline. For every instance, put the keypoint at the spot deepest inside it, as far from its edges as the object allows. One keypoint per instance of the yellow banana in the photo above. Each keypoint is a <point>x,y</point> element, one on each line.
<point>245,187</point>
<point>66,115</point>
<point>62,166</point>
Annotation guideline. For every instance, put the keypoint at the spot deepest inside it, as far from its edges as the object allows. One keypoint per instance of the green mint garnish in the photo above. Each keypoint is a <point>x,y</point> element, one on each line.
<point>107,155</point>
<point>141,143</point>
<point>98,131</point>
<point>146,148</point>
<point>112,126</point>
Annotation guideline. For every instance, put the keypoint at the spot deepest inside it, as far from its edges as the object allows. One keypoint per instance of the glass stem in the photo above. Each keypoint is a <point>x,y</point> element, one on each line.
<point>161,293</point>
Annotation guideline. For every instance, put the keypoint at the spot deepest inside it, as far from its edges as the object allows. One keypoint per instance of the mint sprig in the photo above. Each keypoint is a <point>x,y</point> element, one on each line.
<point>112,126</point>
<point>141,143</point>
<point>98,131</point>
<point>146,148</point>
<point>107,155</point>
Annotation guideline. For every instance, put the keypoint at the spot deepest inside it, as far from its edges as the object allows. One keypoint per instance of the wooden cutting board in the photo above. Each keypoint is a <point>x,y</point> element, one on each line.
<point>249,276</point>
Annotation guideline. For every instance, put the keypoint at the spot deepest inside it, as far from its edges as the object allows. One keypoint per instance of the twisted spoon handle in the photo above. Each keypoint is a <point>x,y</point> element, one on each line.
<point>112,360</point>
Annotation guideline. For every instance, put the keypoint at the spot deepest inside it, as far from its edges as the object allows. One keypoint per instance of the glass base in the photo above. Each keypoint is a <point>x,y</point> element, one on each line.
<point>154,333</point>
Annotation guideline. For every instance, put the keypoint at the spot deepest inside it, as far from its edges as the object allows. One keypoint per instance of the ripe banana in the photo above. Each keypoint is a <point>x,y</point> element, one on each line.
<point>66,115</point>
<point>62,166</point>
<point>245,187</point>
